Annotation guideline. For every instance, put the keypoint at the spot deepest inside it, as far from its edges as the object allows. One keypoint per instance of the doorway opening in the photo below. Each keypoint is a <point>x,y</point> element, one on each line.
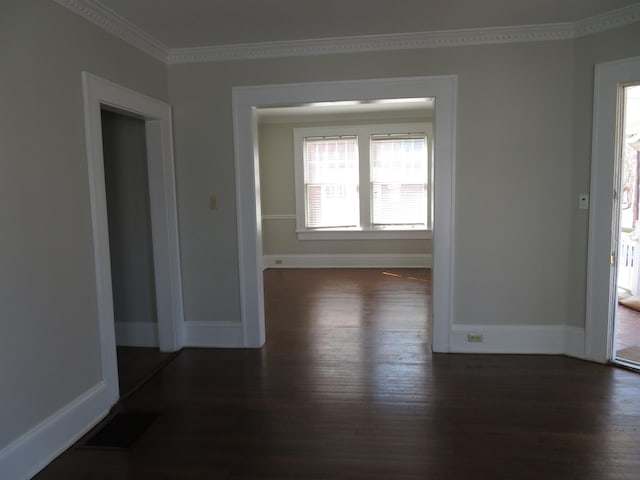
<point>626,327</point>
<point>337,194</point>
<point>246,102</point>
<point>155,116</point>
<point>611,80</point>
<point>131,249</point>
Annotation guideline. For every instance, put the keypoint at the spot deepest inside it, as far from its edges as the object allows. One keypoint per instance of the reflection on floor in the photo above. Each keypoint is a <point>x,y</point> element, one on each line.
<point>346,389</point>
<point>627,341</point>
<point>137,364</point>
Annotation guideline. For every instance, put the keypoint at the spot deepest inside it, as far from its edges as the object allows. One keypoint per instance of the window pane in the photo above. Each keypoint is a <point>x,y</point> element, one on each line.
<point>332,206</point>
<point>331,182</point>
<point>399,177</point>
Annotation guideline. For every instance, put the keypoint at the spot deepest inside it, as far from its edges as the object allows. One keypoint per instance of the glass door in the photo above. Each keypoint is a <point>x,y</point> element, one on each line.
<point>626,331</point>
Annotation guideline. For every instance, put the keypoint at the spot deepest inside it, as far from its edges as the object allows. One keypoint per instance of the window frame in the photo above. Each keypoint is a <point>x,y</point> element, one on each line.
<point>365,230</point>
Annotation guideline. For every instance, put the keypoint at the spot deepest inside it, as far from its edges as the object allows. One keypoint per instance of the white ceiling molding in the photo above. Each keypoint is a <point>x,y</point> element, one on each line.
<point>96,13</point>
<point>450,38</point>
<point>371,43</point>
<point>113,23</point>
<point>607,21</point>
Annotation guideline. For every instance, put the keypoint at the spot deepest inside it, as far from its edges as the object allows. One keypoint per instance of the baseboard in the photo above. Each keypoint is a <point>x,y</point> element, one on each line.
<point>538,339</point>
<point>574,341</point>
<point>26,456</point>
<point>423,260</point>
<point>213,334</point>
<point>136,334</point>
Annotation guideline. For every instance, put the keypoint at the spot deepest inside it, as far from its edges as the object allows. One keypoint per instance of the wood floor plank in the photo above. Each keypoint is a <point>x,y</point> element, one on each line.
<point>346,388</point>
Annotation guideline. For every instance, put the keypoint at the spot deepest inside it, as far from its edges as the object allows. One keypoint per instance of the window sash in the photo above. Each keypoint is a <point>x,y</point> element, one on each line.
<point>331,167</point>
<point>399,180</point>
<point>335,173</point>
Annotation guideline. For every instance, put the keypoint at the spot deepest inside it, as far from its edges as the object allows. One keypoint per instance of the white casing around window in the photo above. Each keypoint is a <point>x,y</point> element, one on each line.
<point>364,230</point>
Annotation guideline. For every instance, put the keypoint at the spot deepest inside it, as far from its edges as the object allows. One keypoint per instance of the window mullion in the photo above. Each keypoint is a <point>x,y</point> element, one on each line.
<point>364,144</point>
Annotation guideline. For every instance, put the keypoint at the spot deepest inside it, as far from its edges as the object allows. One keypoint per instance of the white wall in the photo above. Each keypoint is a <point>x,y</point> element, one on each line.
<point>49,350</point>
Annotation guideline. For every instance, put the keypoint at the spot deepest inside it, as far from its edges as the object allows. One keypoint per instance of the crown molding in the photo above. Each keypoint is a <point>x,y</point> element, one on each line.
<point>105,18</point>
<point>607,21</point>
<point>113,23</point>
<point>373,43</point>
<point>447,38</point>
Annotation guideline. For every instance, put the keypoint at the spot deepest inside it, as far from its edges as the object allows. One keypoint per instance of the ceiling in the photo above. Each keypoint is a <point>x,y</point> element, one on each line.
<point>200,23</point>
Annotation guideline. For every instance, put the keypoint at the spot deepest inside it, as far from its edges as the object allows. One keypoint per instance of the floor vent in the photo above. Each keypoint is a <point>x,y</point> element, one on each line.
<point>121,431</point>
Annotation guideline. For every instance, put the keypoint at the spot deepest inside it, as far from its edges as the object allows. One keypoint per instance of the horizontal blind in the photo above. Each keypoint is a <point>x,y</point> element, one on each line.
<point>331,182</point>
<point>399,178</point>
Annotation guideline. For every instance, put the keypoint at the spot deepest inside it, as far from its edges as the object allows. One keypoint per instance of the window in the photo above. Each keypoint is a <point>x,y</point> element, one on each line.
<point>366,181</point>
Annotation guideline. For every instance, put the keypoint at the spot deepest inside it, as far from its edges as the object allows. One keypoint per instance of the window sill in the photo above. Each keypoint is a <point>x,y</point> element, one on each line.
<point>364,234</point>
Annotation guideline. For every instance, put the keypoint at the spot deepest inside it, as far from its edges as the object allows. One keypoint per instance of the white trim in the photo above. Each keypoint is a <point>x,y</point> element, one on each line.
<point>157,114</point>
<point>213,334</point>
<point>372,43</point>
<point>351,234</point>
<point>136,334</point>
<point>30,453</point>
<point>521,339</point>
<point>418,260</point>
<point>363,134</point>
<point>382,234</point>
<point>279,216</point>
<point>608,20</point>
<point>245,101</point>
<point>118,26</point>
<point>406,41</point>
<point>574,341</point>
<point>600,296</point>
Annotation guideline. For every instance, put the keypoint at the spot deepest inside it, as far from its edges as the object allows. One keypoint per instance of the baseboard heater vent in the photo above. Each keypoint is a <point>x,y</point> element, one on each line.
<point>120,431</point>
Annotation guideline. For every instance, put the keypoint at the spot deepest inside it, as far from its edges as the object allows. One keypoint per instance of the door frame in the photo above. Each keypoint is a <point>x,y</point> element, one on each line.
<point>99,93</point>
<point>245,102</point>
<point>601,293</point>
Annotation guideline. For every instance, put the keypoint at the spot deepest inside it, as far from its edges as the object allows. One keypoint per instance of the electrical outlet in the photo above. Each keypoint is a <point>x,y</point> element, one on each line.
<point>213,202</point>
<point>474,337</point>
<point>583,201</point>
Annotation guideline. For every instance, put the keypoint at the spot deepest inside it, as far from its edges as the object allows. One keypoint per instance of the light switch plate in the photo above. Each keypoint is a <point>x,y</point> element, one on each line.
<point>583,201</point>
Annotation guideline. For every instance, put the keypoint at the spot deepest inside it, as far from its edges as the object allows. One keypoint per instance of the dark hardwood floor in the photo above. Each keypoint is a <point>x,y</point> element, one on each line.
<point>136,365</point>
<point>346,388</point>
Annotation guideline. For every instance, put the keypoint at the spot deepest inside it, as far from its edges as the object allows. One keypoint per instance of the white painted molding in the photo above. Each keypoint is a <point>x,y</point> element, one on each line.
<point>517,339</point>
<point>136,334</point>
<point>601,292</point>
<point>444,38</point>
<point>26,456</point>
<point>213,334</point>
<point>574,341</point>
<point>249,217</point>
<point>310,235</point>
<point>372,43</point>
<point>390,260</point>
<point>350,234</point>
<point>95,12</point>
<point>608,20</point>
<point>121,28</point>
<point>157,115</point>
<point>279,216</point>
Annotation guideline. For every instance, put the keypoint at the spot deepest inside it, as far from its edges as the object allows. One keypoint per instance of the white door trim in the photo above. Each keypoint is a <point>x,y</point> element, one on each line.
<point>599,316</point>
<point>164,225</point>
<point>245,102</point>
